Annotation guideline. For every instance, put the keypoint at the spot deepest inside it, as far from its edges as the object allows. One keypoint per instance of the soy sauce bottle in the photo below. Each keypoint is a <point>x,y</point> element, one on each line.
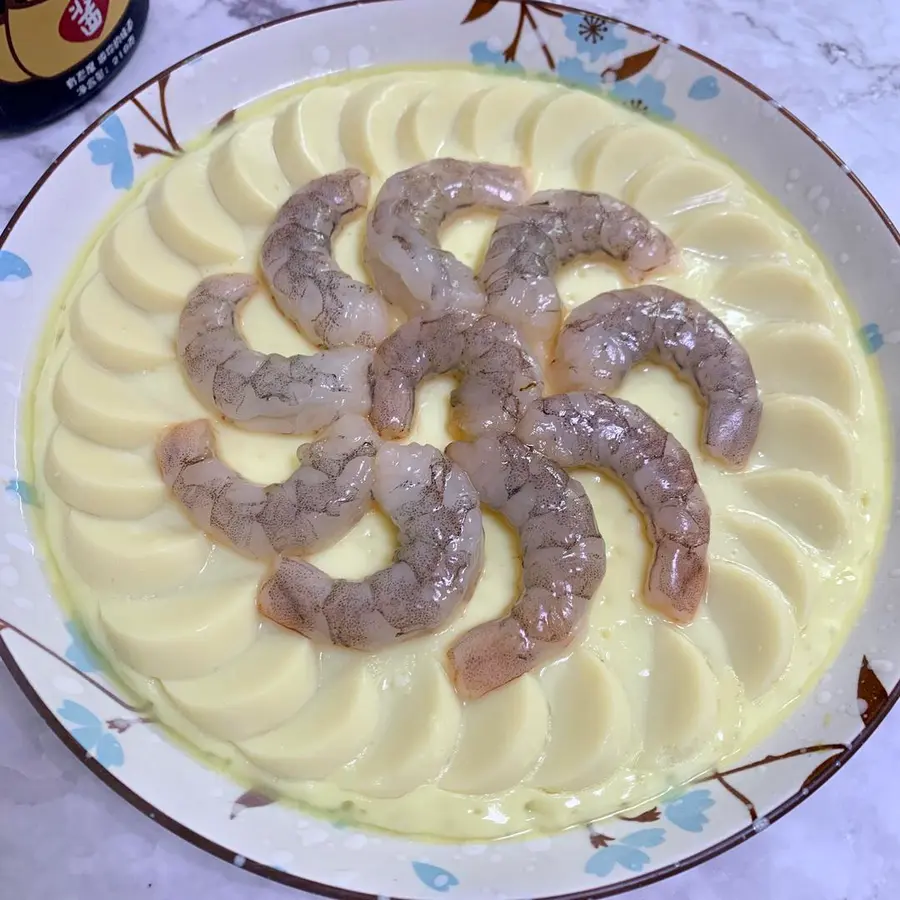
<point>56,55</point>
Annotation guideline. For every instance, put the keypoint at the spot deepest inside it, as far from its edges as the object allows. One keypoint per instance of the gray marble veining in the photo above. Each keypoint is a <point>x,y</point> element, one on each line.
<point>835,64</point>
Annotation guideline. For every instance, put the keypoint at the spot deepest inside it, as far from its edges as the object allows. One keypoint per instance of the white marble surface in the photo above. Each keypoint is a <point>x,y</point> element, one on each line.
<point>835,64</point>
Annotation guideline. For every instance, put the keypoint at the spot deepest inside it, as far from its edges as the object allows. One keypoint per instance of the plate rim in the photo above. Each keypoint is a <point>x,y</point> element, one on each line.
<point>213,848</point>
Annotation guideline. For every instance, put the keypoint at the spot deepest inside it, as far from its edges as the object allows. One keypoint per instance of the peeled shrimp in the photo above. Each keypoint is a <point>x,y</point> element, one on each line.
<point>499,377</point>
<point>264,391</point>
<point>324,498</point>
<point>563,554</point>
<point>607,336</point>
<point>532,241</point>
<point>402,250</point>
<point>436,567</point>
<point>326,304</point>
<point>587,429</point>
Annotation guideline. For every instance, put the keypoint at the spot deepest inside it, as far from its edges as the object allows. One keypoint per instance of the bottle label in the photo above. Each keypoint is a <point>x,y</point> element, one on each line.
<point>57,54</point>
<point>42,39</point>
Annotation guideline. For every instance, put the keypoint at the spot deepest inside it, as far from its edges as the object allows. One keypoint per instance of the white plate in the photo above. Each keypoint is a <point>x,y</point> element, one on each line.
<point>56,672</point>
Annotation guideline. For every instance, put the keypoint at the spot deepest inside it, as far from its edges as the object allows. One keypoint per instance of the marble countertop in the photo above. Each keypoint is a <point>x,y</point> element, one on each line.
<point>834,64</point>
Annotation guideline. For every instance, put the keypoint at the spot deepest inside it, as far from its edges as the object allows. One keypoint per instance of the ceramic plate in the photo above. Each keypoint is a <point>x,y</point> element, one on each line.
<point>56,670</point>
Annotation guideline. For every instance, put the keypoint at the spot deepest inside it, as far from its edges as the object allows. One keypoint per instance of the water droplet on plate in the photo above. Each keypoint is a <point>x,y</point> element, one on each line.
<point>358,56</point>
<point>20,543</point>
<point>69,686</point>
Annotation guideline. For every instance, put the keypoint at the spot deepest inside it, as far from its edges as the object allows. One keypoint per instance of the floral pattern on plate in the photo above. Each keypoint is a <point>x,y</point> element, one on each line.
<point>45,651</point>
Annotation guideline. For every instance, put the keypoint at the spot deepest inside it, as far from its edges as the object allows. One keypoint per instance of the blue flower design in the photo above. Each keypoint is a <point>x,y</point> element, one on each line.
<point>91,733</point>
<point>113,151</point>
<point>688,811</point>
<point>482,55</point>
<point>573,69</point>
<point>25,491</point>
<point>871,337</point>
<point>645,96</point>
<point>12,266</point>
<point>435,877</point>
<point>705,88</point>
<point>79,652</point>
<point>593,34</point>
<point>627,852</point>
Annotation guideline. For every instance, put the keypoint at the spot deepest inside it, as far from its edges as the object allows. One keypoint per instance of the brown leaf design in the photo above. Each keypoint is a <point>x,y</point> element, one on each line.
<point>631,65</point>
<point>648,815</point>
<point>225,121</point>
<point>749,805</point>
<point>252,799</point>
<point>164,127</point>
<point>548,10</point>
<point>121,725</point>
<point>870,692</point>
<point>142,150</point>
<point>69,665</point>
<point>823,767</point>
<point>164,109</point>
<point>479,9</point>
<point>599,841</point>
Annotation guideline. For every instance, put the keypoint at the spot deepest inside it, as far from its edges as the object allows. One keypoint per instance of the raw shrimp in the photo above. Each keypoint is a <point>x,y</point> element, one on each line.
<point>607,336</point>
<point>563,556</point>
<point>532,241</point>
<point>499,377</point>
<point>324,498</point>
<point>436,567</point>
<point>326,304</point>
<point>402,251</point>
<point>588,429</point>
<point>264,391</point>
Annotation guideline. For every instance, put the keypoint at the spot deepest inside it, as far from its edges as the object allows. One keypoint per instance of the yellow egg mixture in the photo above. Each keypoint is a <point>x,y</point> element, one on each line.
<point>637,705</point>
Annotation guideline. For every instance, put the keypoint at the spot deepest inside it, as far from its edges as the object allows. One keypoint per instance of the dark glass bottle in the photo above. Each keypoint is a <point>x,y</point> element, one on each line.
<point>57,54</point>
